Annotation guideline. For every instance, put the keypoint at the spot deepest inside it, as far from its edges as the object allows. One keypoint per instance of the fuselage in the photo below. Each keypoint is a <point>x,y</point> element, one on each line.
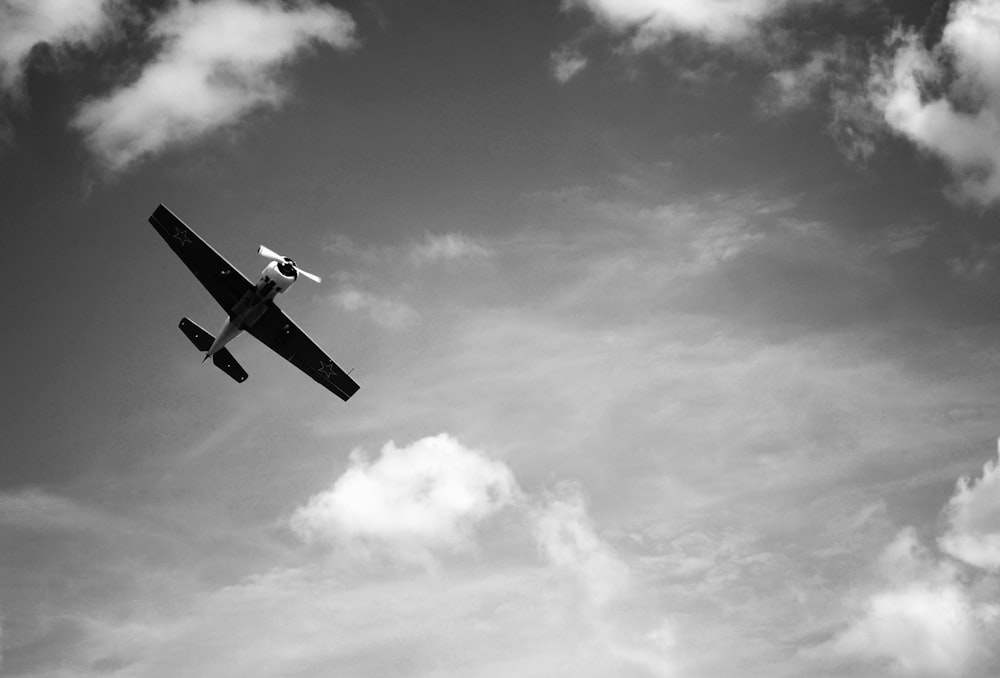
<point>276,277</point>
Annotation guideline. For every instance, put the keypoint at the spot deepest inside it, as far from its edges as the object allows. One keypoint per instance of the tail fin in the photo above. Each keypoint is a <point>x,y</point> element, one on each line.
<point>222,358</point>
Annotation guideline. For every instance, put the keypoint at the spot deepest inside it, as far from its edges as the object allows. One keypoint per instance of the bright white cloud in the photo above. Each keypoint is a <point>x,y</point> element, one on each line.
<point>411,501</point>
<point>26,23</point>
<point>654,21</point>
<point>924,623</point>
<point>447,247</point>
<point>386,312</point>
<point>219,61</point>
<point>961,126</point>
<point>417,501</point>
<point>973,534</point>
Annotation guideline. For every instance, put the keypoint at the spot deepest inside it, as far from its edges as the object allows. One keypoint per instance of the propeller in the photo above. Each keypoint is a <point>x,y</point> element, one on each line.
<point>274,256</point>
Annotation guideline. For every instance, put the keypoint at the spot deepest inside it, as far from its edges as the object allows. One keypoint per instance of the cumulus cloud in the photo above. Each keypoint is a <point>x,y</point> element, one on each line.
<point>973,512</point>
<point>219,60</point>
<point>946,100</point>
<point>650,22</point>
<point>416,502</point>
<point>925,622</point>
<point>27,23</point>
<point>386,312</point>
<point>929,615</point>
<point>446,247</point>
<point>410,502</point>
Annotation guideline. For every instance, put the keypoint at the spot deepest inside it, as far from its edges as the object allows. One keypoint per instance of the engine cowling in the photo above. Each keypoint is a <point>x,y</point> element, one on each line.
<point>277,277</point>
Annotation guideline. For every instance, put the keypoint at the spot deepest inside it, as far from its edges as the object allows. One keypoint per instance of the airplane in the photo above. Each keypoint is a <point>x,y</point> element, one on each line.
<point>250,307</point>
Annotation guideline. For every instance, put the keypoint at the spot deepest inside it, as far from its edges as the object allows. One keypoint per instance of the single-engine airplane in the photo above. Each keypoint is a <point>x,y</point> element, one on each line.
<point>250,307</point>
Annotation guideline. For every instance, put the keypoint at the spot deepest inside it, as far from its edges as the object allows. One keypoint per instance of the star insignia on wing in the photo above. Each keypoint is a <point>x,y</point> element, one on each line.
<point>327,370</point>
<point>181,236</point>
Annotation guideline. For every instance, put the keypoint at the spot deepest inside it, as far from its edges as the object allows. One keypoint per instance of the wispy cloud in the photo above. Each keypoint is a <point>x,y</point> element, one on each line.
<point>566,63</point>
<point>218,61</point>
<point>27,23</point>
<point>795,88</point>
<point>447,247</point>
<point>600,582</point>
<point>386,312</point>
<point>946,100</point>
<point>567,538</point>
<point>36,510</point>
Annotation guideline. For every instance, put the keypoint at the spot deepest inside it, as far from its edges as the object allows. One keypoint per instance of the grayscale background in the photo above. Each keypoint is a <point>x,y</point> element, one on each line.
<point>677,326</point>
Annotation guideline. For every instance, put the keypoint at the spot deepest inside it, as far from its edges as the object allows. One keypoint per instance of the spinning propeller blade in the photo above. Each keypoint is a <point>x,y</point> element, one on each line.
<point>314,278</point>
<point>270,254</point>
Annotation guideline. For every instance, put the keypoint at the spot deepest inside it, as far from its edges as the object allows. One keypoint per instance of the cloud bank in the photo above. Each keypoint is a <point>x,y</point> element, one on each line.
<point>219,61</point>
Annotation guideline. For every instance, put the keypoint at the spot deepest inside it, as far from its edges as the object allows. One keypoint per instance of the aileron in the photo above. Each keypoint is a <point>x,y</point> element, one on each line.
<point>278,332</point>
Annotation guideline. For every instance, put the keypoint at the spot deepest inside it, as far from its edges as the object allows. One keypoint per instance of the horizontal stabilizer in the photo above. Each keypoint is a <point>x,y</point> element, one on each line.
<point>222,359</point>
<point>225,361</point>
<point>201,339</point>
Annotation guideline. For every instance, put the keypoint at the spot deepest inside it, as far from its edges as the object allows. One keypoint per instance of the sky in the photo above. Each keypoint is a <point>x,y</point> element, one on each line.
<point>676,325</point>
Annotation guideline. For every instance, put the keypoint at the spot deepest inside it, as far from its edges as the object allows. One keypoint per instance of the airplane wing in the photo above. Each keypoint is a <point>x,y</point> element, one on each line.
<point>277,331</point>
<point>220,278</point>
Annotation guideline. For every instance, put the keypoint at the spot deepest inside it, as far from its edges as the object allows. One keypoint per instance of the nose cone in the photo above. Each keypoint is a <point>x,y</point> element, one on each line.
<point>287,269</point>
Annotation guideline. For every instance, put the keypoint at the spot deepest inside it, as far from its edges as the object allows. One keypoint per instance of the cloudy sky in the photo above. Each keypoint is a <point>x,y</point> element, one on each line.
<point>677,326</point>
